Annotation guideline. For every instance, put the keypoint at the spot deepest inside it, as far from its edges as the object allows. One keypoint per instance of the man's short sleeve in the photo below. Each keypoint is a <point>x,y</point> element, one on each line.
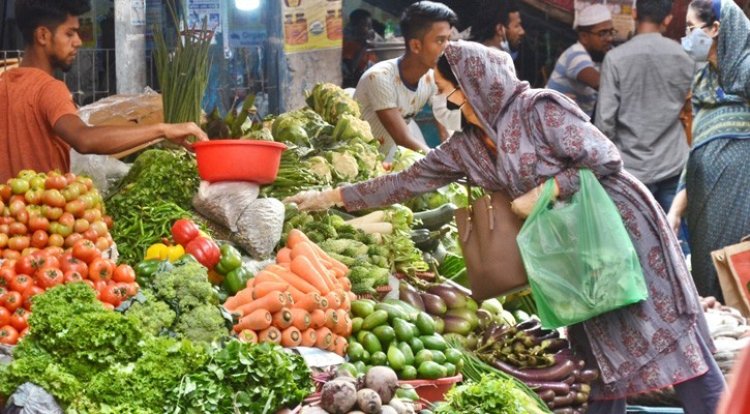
<point>54,101</point>
<point>379,89</point>
<point>577,60</point>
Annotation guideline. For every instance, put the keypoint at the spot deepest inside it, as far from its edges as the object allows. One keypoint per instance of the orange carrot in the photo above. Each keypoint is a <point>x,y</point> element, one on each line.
<point>352,295</point>
<point>294,280</point>
<point>340,344</point>
<point>284,255</point>
<point>264,288</point>
<point>331,346</point>
<point>289,298</point>
<point>332,319</point>
<point>271,334</point>
<point>272,302</point>
<point>267,276</point>
<point>346,304</point>
<point>333,300</point>
<point>250,283</point>
<point>248,336</point>
<point>306,250</point>
<point>347,329</point>
<point>290,337</point>
<point>302,267</point>
<point>242,297</point>
<point>286,266</point>
<point>323,303</point>
<point>346,284</point>
<point>318,318</point>
<point>295,236</point>
<point>309,302</point>
<point>258,320</point>
<point>282,319</point>
<point>325,338</point>
<point>301,319</point>
<point>342,316</point>
<point>309,337</point>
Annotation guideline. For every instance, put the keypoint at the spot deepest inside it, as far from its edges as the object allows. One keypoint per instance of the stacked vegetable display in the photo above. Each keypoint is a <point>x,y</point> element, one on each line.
<point>303,299</point>
<point>396,334</point>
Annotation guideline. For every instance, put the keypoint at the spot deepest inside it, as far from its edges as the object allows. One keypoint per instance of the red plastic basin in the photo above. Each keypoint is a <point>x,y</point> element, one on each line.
<point>238,160</point>
<point>433,390</point>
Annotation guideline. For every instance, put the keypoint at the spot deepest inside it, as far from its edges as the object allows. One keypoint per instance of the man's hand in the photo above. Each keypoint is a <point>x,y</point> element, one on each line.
<point>316,200</point>
<point>674,222</point>
<point>523,205</point>
<point>179,133</point>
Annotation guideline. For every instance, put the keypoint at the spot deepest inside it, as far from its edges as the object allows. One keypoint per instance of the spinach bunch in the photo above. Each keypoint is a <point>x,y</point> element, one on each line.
<point>245,378</point>
<point>491,395</point>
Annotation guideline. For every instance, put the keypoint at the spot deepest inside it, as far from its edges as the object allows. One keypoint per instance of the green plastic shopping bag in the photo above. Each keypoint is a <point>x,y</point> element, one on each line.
<point>578,256</point>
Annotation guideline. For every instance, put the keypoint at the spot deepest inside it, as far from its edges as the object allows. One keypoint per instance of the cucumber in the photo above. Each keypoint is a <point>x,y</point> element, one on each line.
<point>365,357</point>
<point>471,304</point>
<point>408,373</point>
<point>408,353</point>
<point>371,343</point>
<point>431,370</point>
<point>450,369</point>
<point>355,351</point>
<point>356,325</point>
<point>360,367</point>
<point>403,329</point>
<point>350,368</point>
<point>393,311</point>
<point>385,334</point>
<point>439,324</point>
<point>422,356</point>
<point>379,358</point>
<point>436,218</point>
<point>425,324</point>
<point>362,308</point>
<point>361,336</point>
<point>406,392</point>
<point>410,309</point>
<point>396,359</point>
<point>434,342</point>
<point>453,355</point>
<point>375,319</point>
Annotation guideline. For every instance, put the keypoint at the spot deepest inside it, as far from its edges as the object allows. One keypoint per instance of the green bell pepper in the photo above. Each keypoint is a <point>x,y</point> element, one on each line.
<point>236,280</point>
<point>230,259</point>
<point>146,269</point>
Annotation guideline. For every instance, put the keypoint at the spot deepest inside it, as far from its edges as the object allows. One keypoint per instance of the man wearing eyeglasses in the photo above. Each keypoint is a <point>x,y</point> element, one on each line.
<point>576,73</point>
<point>644,84</point>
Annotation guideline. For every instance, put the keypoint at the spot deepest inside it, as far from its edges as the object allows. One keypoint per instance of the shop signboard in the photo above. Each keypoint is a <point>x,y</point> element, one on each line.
<point>312,24</point>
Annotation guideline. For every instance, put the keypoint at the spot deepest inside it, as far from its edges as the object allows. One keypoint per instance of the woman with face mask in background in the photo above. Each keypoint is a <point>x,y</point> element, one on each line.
<point>713,194</point>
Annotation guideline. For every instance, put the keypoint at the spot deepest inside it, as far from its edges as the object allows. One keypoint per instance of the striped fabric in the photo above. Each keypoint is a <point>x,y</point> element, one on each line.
<point>563,79</point>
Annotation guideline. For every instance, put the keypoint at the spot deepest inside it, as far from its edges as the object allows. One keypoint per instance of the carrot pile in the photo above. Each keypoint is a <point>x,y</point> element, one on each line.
<point>302,300</point>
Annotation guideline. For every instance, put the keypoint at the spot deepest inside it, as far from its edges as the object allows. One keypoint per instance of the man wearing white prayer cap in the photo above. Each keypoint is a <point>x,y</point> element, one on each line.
<point>576,73</point>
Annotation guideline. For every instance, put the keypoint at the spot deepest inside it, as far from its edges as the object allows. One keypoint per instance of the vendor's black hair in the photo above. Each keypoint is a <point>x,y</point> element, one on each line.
<point>419,17</point>
<point>653,11</point>
<point>358,17</point>
<point>486,23</point>
<point>705,11</point>
<point>30,14</point>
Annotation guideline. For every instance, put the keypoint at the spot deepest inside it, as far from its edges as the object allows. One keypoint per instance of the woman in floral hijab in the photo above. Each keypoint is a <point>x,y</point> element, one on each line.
<point>515,139</point>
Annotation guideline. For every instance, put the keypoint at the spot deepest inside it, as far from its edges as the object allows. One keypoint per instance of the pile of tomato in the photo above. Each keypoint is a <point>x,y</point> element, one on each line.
<point>53,231</point>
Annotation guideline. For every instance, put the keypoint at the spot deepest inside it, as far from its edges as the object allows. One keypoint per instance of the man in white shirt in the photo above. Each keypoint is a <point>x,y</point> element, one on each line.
<point>391,93</point>
<point>576,72</point>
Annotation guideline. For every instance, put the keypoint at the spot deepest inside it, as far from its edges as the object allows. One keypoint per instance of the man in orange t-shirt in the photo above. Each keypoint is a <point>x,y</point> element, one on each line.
<point>38,120</point>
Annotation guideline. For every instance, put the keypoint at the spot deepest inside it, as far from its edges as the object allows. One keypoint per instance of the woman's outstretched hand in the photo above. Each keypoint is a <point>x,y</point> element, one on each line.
<point>313,200</point>
<point>523,205</point>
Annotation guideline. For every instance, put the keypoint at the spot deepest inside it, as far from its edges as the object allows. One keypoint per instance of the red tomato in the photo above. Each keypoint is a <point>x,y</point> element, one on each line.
<point>114,294</point>
<point>22,216</point>
<point>69,263</point>
<point>86,251</point>
<point>9,254</point>
<point>100,286</point>
<point>39,239</point>
<point>131,289</point>
<point>75,207</point>
<point>57,182</point>
<point>53,251</point>
<point>101,269</point>
<point>102,243</point>
<point>124,274</point>
<point>3,290</point>
<point>6,275</point>
<point>17,229</point>
<point>108,306</point>
<point>8,335</point>
<point>27,265</point>
<point>18,243</point>
<point>11,300</point>
<point>73,276</point>
<point>20,319</point>
<point>99,227</point>
<point>71,240</point>
<point>81,226</point>
<point>3,240</point>
<point>4,316</point>
<point>56,240</point>
<point>53,198</point>
<point>108,221</point>
<point>30,293</point>
<point>52,213</point>
<point>21,283</point>
<point>70,178</point>
<point>49,277</point>
<point>38,223</point>
<point>49,260</point>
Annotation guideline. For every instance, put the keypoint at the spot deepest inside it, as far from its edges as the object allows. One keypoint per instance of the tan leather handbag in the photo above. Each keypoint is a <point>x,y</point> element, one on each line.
<point>487,233</point>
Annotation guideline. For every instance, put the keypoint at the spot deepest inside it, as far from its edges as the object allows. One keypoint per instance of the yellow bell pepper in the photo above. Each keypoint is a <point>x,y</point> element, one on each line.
<point>161,251</point>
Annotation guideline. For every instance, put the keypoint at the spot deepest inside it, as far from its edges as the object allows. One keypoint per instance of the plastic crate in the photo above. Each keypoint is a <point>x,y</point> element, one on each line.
<point>637,409</point>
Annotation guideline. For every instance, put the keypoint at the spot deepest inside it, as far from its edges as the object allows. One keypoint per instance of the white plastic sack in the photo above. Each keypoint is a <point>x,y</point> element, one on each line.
<point>225,202</point>
<point>104,170</point>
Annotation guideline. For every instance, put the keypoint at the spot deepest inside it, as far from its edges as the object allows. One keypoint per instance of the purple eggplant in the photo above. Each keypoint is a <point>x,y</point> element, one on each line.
<point>553,373</point>
<point>455,324</point>
<point>433,304</point>
<point>410,296</point>
<point>556,344</point>
<point>546,395</point>
<point>558,388</point>
<point>453,298</point>
<point>589,375</point>
<point>564,401</point>
<point>529,324</point>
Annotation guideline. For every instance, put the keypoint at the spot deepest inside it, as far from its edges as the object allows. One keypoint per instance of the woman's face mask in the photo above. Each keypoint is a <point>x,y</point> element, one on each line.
<point>698,44</point>
<point>451,116</point>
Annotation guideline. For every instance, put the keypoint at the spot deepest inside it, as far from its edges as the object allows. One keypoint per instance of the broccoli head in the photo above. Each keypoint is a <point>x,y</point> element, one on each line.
<point>153,315</point>
<point>185,287</point>
<point>203,323</point>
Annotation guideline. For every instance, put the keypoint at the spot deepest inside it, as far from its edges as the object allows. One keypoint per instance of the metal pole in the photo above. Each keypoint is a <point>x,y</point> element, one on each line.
<point>130,48</point>
<point>2,30</point>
